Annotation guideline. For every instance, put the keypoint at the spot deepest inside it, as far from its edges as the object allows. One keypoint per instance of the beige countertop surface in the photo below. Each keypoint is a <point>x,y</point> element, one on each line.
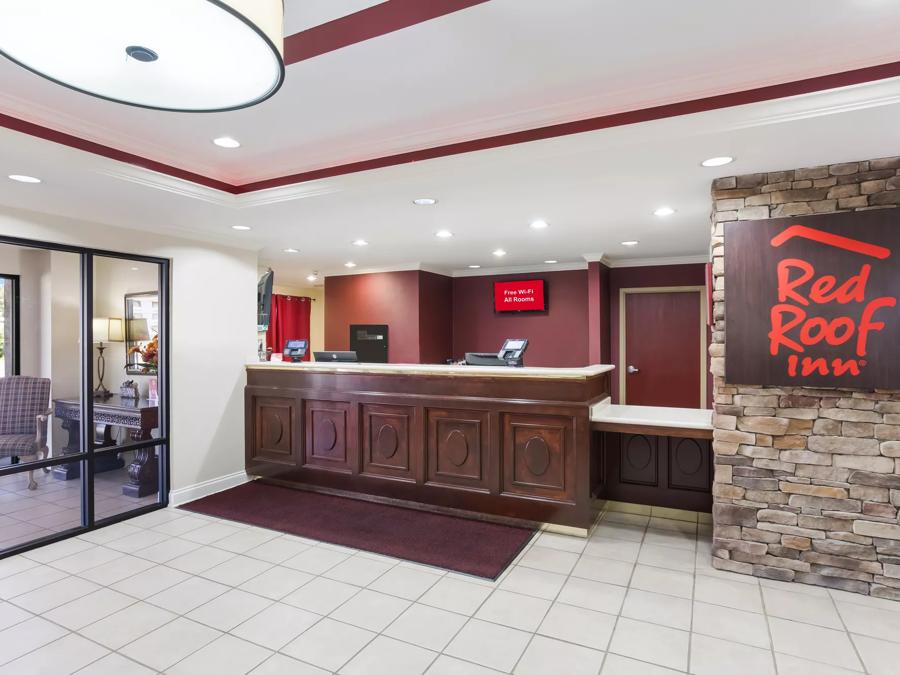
<point>656,416</point>
<point>435,369</point>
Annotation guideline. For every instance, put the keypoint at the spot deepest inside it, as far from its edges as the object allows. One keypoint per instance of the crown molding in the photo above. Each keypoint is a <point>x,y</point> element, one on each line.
<point>402,267</point>
<point>651,262</point>
<point>596,257</point>
<point>522,269</point>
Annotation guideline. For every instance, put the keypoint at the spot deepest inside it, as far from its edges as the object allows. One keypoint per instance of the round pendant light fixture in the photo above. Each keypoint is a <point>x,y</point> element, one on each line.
<point>178,55</point>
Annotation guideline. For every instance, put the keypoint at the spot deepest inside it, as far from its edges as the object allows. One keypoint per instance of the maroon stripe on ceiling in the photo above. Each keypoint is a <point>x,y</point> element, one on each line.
<point>806,86</point>
<point>760,94</point>
<point>372,22</point>
<point>62,138</point>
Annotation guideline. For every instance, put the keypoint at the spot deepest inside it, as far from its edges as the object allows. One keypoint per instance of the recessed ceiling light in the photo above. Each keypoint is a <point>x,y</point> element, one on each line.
<point>425,201</point>
<point>241,228</point>
<point>550,262</point>
<point>664,211</point>
<point>539,225</point>
<point>630,243</point>
<point>474,267</point>
<point>291,250</point>
<point>192,56</point>
<point>24,179</point>
<point>717,161</point>
<point>350,264</point>
<point>360,242</point>
<point>499,252</point>
<point>227,142</point>
<point>311,277</point>
<point>134,269</point>
<point>443,234</point>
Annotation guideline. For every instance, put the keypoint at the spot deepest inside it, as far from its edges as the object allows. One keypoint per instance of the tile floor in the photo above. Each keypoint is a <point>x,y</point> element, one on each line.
<point>179,593</point>
<point>55,506</point>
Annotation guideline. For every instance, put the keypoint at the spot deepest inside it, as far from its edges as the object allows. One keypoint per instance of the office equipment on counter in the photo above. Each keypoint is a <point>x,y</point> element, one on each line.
<point>344,357</point>
<point>295,350</point>
<point>511,354</point>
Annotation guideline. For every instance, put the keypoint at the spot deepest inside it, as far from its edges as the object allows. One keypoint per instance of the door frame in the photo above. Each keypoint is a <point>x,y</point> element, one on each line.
<point>623,361</point>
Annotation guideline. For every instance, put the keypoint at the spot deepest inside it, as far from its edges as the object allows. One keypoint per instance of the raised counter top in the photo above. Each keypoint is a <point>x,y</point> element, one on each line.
<point>435,369</point>
<point>652,416</point>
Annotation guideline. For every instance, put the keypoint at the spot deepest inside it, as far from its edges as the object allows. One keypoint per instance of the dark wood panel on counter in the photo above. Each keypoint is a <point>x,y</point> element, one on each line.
<point>504,447</point>
<point>658,470</point>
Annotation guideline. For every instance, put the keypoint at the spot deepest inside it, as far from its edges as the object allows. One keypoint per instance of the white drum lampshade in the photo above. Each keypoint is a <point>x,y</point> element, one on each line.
<point>180,55</point>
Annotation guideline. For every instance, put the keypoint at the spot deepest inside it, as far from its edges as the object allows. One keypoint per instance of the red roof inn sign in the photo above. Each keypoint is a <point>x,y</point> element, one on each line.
<point>813,301</point>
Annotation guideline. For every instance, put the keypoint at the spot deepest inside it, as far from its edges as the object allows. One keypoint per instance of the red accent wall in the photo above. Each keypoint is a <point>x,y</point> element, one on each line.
<point>643,277</point>
<point>557,337</point>
<point>435,318</point>
<point>598,313</point>
<point>390,298</point>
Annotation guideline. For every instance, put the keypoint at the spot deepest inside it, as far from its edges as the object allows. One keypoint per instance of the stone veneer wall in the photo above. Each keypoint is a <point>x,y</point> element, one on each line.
<point>807,481</point>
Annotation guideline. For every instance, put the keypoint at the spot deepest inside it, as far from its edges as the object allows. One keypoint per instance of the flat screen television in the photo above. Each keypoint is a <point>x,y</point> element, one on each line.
<point>264,300</point>
<point>527,295</point>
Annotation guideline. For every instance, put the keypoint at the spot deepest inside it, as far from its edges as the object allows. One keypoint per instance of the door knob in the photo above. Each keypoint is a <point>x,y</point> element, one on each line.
<point>631,370</point>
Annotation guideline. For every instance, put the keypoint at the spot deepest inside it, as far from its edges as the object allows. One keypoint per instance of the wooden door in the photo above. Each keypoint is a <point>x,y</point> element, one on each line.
<point>662,357</point>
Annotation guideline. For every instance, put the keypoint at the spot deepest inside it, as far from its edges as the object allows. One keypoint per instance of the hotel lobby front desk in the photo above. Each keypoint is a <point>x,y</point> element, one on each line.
<point>491,441</point>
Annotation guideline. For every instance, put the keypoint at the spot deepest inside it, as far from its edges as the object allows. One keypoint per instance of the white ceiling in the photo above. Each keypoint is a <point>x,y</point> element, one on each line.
<point>499,66</point>
<point>595,189</point>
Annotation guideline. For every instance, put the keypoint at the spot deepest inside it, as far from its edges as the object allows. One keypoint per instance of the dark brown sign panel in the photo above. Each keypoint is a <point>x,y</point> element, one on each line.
<point>813,301</point>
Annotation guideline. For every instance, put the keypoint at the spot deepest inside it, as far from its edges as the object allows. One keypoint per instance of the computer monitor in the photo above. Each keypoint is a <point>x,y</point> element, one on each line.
<point>336,357</point>
<point>295,350</point>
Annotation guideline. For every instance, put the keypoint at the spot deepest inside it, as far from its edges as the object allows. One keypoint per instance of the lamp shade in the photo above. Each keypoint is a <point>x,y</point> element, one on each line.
<point>182,55</point>
<point>108,330</point>
<point>138,330</point>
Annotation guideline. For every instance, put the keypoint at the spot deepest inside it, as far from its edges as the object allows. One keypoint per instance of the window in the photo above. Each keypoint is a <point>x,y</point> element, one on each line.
<point>9,325</point>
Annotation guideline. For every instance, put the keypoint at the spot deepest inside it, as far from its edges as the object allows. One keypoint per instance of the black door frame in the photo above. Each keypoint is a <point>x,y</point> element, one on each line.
<point>87,455</point>
<point>14,357</point>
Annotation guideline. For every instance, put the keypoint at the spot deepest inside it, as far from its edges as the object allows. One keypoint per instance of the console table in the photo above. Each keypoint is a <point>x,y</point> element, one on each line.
<point>139,416</point>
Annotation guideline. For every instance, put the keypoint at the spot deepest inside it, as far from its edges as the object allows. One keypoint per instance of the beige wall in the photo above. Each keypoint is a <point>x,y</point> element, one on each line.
<point>213,334</point>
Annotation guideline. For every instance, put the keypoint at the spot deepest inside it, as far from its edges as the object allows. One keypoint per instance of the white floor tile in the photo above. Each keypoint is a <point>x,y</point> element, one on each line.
<point>791,665</point>
<point>666,557</point>
<point>279,664</point>
<point>513,609</point>
<point>228,610</point>
<point>613,549</point>
<point>405,582</point>
<point>55,594</point>
<point>426,626</point>
<point>23,637</point>
<point>606,570</point>
<point>711,656</point>
<point>488,644</point>
<point>455,595</point>
<point>87,559</point>
<point>666,610</point>
<point>385,656</point>
<point>115,664</point>
<point>612,530</point>
<point>166,550</point>
<point>594,595</point>
<point>124,568</point>
<point>370,610</point>
<point>321,596</point>
<point>276,625</point>
<point>529,581</point>
<point>14,565</point>
<point>209,534</point>
<point>670,539</point>
<point>187,595</point>
<point>447,665</point>
<point>358,570</point>
<point>728,593</point>
<point>227,655</point>
<point>731,624</point>
<point>660,645</point>
<point>576,624</point>
<point>169,644</point>
<point>180,526</point>
<point>68,654</point>
<point>549,560</point>
<point>561,542</point>
<point>818,610</point>
<point>621,665</point>
<point>814,643</point>
<point>200,559</point>
<point>659,580</point>
<point>276,582</point>
<point>127,625</point>
<point>90,608</point>
<point>315,560</point>
<point>278,550</point>
<point>237,570</point>
<point>329,644</point>
<point>29,580</point>
<point>871,621</point>
<point>245,539</point>
<point>546,655</point>
<point>60,549</point>
<point>879,656</point>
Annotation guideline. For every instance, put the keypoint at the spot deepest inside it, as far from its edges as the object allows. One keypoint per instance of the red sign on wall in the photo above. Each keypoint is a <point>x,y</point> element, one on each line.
<point>520,296</point>
<point>813,301</point>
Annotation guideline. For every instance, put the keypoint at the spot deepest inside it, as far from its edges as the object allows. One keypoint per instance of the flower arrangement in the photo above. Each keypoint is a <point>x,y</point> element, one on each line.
<point>149,361</point>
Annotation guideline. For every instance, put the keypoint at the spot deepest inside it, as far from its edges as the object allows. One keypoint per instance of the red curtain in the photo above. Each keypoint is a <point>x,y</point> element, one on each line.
<point>289,321</point>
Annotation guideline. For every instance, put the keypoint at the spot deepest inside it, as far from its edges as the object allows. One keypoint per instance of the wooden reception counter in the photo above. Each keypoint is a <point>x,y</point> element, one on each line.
<point>495,441</point>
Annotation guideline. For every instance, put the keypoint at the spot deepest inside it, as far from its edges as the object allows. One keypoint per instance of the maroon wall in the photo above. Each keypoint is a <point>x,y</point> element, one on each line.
<point>644,277</point>
<point>598,313</point>
<point>558,337</point>
<point>435,317</point>
<point>390,298</point>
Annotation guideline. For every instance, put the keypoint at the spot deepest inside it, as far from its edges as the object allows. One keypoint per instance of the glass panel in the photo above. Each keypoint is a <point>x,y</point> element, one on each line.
<point>126,405</point>
<point>26,515</point>
<point>39,408</point>
<point>9,321</point>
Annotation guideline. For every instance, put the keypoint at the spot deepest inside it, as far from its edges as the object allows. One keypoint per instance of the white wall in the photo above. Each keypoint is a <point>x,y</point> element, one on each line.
<point>213,309</point>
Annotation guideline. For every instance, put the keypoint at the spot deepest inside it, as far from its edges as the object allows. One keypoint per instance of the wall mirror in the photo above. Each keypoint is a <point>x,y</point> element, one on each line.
<point>141,332</point>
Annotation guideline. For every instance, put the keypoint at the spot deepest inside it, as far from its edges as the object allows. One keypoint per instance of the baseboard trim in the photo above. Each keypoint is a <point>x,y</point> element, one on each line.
<point>207,487</point>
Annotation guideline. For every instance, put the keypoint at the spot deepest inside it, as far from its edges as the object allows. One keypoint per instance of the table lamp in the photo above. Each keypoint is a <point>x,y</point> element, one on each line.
<point>105,330</point>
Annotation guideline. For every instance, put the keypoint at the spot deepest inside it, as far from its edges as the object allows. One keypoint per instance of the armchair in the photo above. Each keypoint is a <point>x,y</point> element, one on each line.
<point>24,414</point>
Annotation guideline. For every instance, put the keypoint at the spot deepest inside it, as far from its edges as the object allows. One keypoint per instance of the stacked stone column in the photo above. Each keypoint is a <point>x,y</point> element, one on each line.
<point>807,481</point>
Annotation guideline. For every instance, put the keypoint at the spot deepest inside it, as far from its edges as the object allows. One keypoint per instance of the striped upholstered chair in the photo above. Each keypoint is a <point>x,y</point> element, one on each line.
<point>24,412</point>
